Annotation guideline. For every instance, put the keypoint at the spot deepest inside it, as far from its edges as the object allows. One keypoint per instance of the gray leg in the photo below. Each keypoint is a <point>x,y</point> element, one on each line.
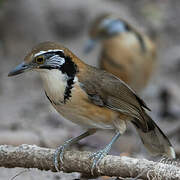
<point>60,150</point>
<point>99,155</point>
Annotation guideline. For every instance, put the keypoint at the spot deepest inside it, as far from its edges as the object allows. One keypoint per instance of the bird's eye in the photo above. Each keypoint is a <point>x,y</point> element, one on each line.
<point>39,59</point>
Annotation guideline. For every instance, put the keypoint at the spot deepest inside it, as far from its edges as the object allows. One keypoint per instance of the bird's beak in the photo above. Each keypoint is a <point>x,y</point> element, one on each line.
<point>19,69</point>
<point>89,46</point>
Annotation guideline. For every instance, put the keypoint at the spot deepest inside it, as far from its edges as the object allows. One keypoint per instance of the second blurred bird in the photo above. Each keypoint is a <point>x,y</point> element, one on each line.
<point>126,53</point>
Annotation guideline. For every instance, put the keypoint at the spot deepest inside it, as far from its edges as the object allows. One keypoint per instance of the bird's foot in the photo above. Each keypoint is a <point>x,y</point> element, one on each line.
<point>97,157</point>
<point>60,151</point>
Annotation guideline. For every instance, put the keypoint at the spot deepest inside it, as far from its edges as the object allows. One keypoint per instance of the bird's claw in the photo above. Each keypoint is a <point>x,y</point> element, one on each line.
<point>60,150</point>
<point>97,157</point>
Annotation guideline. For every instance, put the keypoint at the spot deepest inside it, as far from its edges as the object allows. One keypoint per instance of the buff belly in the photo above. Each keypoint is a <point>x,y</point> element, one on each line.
<point>81,111</point>
<point>87,115</point>
<point>78,108</point>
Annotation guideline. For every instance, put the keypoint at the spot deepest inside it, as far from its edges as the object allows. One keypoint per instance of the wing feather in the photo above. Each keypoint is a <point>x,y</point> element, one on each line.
<point>107,90</point>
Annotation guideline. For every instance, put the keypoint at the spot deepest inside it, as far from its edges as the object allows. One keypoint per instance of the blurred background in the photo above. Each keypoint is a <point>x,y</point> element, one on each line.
<point>27,117</point>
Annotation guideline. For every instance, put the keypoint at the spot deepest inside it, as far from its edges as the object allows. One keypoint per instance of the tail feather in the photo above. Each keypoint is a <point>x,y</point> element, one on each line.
<point>153,138</point>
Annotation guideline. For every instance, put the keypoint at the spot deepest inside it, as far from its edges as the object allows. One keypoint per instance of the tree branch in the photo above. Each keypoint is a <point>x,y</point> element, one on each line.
<point>28,156</point>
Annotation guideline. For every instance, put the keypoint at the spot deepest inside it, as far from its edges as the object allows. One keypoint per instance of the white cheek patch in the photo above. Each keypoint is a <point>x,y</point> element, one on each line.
<point>50,50</point>
<point>56,60</point>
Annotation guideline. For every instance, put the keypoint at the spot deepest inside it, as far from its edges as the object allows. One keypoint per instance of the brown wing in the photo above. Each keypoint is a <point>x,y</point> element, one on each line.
<point>113,93</point>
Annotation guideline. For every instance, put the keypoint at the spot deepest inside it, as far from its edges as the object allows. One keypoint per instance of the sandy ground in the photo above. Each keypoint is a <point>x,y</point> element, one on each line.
<point>26,114</point>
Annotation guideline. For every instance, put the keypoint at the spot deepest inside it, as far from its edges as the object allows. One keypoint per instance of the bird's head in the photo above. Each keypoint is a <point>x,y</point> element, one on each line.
<point>47,56</point>
<point>57,66</point>
<point>104,27</point>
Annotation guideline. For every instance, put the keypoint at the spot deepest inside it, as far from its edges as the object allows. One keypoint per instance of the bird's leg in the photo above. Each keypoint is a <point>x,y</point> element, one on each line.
<point>60,149</point>
<point>99,155</point>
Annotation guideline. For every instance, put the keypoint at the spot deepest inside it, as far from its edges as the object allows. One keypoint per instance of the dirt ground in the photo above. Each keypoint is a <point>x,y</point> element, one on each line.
<point>26,116</point>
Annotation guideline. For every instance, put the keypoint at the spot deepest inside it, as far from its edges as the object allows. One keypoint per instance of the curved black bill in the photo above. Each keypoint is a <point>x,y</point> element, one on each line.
<point>18,69</point>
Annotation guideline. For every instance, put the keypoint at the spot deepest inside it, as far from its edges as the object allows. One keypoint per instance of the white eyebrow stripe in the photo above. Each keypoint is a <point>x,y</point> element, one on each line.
<point>51,50</point>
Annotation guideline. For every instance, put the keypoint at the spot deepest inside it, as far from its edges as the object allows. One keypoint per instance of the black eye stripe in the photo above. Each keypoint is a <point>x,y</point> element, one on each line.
<point>61,54</point>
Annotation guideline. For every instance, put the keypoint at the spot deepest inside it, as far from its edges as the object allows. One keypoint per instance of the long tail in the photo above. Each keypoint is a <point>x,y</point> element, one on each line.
<point>153,138</point>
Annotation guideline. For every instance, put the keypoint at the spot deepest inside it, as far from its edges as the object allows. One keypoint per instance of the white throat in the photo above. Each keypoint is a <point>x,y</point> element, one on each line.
<point>54,82</point>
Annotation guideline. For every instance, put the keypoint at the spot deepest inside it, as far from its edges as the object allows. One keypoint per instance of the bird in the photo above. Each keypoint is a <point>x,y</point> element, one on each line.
<point>92,98</point>
<point>125,52</point>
